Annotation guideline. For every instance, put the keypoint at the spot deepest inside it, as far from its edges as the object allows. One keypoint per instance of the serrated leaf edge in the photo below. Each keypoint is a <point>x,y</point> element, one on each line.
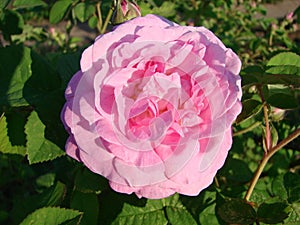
<point>44,160</point>
<point>74,210</point>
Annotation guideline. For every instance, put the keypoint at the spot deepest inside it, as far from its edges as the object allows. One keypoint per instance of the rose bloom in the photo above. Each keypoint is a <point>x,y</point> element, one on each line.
<point>152,107</point>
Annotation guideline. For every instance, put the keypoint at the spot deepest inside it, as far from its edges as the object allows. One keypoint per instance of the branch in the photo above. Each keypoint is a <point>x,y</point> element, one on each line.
<point>108,17</point>
<point>266,158</point>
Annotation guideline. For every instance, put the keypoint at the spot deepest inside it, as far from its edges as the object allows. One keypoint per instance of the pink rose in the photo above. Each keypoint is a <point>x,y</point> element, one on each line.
<point>152,107</point>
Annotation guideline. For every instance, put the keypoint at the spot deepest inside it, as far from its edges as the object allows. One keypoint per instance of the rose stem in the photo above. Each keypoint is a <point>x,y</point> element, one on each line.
<point>99,24</point>
<point>107,19</point>
<point>266,158</point>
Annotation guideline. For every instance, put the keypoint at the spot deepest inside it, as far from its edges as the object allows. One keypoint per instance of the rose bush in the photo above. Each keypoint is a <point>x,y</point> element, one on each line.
<point>152,107</point>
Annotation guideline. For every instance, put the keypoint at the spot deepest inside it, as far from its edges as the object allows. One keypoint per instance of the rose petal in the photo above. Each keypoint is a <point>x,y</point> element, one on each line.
<point>152,107</point>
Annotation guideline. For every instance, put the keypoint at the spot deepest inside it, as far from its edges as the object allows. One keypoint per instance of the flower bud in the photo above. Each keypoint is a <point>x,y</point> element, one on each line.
<point>125,10</point>
<point>277,114</point>
<point>289,16</point>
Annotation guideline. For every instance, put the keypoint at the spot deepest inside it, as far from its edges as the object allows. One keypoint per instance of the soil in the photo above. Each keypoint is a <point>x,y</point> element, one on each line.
<point>281,8</point>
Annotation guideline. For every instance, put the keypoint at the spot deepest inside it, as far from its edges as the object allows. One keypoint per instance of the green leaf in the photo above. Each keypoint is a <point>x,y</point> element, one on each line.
<point>16,120</point>
<point>52,216</point>
<point>201,207</point>
<point>167,9</point>
<point>287,69</point>
<point>284,63</point>
<point>294,217</point>
<point>208,216</point>
<point>12,23</point>
<point>130,210</point>
<point>278,187</point>
<point>5,144</point>
<point>39,148</point>
<point>15,70</point>
<point>251,107</point>
<point>151,214</point>
<point>273,213</point>
<point>292,185</point>
<point>59,10</point>
<point>285,58</point>
<point>28,3</point>
<point>280,74</point>
<point>44,87</point>
<point>261,191</point>
<point>251,74</point>
<point>178,214</point>
<point>88,204</point>
<point>236,170</point>
<point>46,180</point>
<point>93,21</point>
<point>176,211</point>
<point>89,182</point>
<point>236,211</point>
<point>282,101</point>
<point>67,66</point>
<point>43,82</point>
<point>3,216</point>
<point>4,3</point>
<point>281,96</point>
<point>52,196</point>
<point>83,11</point>
<point>285,79</point>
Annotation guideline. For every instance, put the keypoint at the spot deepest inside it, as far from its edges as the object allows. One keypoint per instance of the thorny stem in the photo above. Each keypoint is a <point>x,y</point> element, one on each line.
<point>266,158</point>
<point>109,15</point>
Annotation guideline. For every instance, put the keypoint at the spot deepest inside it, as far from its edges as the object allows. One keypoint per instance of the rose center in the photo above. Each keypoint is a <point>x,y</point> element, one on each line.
<point>149,119</point>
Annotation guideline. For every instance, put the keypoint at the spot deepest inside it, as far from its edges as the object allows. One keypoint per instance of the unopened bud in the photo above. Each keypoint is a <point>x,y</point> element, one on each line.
<point>125,10</point>
<point>289,16</point>
<point>277,114</point>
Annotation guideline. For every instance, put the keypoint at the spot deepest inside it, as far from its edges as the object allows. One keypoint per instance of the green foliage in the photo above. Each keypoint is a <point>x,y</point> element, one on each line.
<point>39,149</point>
<point>15,71</point>
<point>4,3</point>
<point>28,3</point>
<point>283,101</point>
<point>284,63</point>
<point>273,213</point>
<point>236,211</point>
<point>96,183</point>
<point>59,10</point>
<point>40,185</point>
<point>11,22</point>
<point>52,216</point>
<point>5,144</point>
<point>250,108</point>
<point>88,204</point>
<point>84,11</point>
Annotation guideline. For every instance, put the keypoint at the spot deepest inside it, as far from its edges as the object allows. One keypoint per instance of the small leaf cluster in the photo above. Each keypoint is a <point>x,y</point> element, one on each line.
<point>279,205</point>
